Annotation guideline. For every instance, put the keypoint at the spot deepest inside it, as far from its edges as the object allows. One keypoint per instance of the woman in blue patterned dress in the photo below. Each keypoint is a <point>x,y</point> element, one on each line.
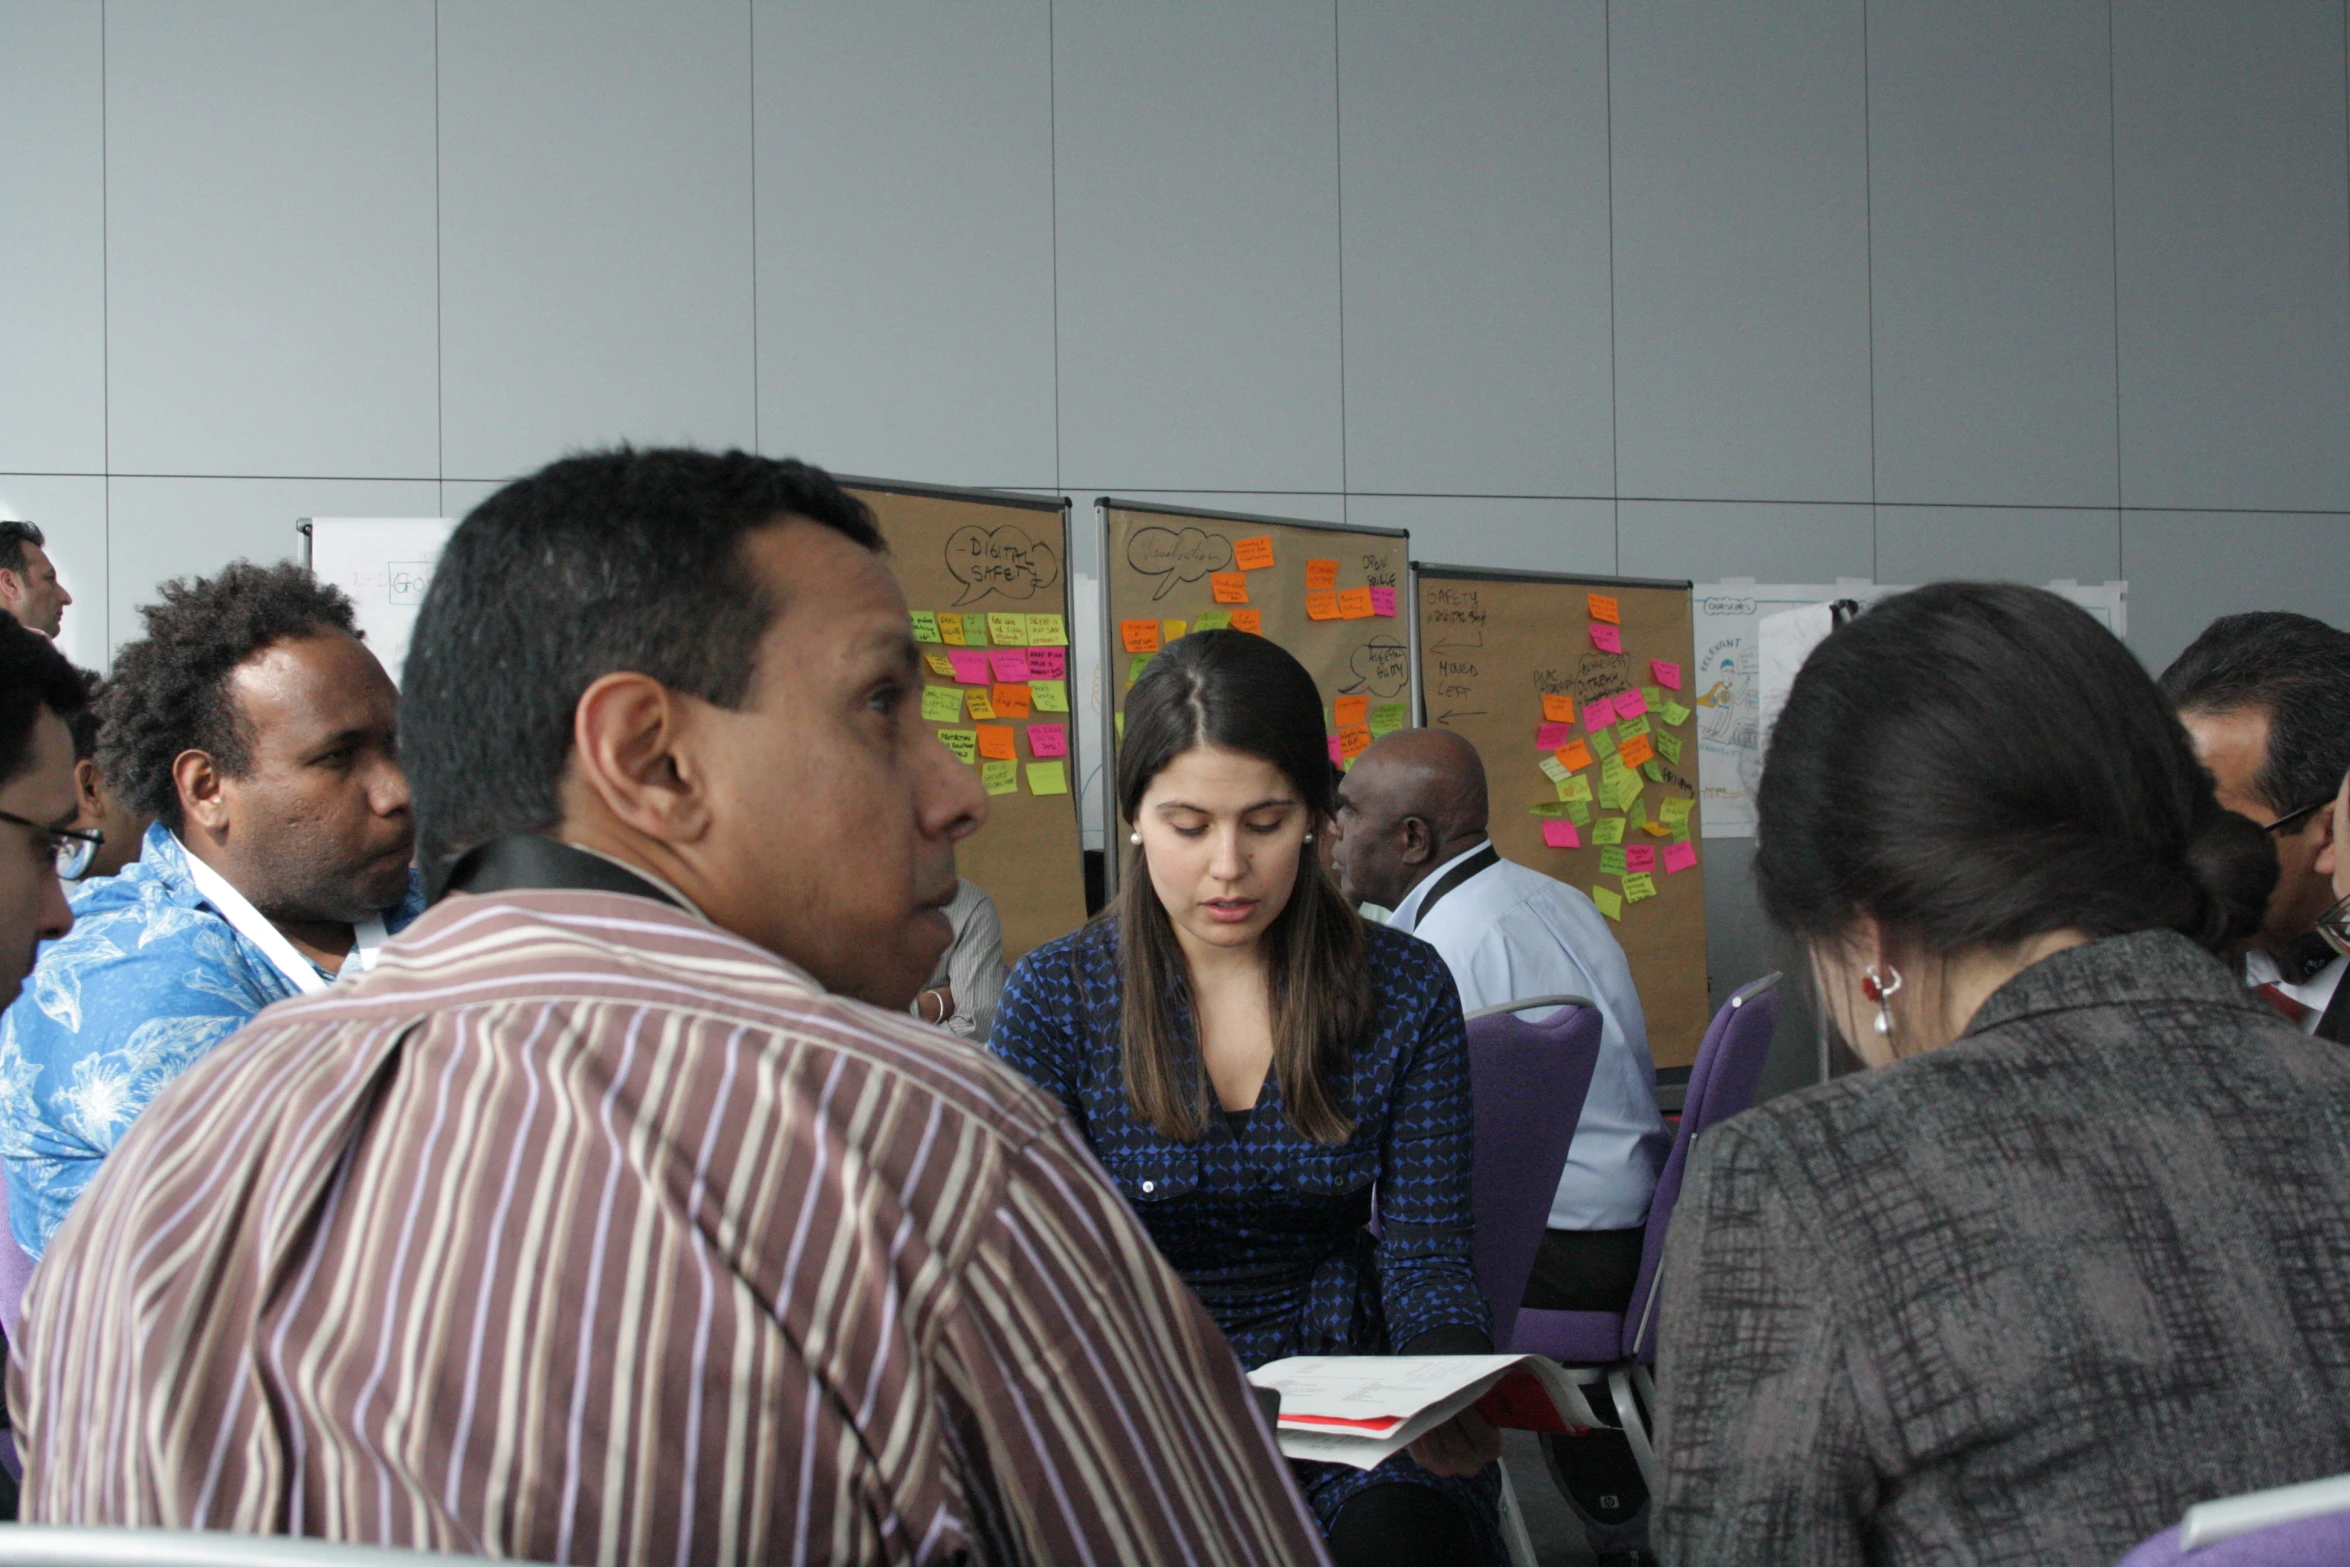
<point>1250,1061</point>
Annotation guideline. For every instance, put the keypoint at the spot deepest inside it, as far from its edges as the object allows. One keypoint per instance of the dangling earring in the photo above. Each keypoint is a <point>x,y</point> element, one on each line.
<point>1309,837</point>
<point>1134,837</point>
<point>1882,991</point>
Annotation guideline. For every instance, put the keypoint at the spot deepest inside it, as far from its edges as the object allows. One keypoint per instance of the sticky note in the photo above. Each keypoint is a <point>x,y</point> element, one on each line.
<point>1598,715</point>
<point>1656,829</point>
<point>940,665</point>
<point>1136,665</point>
<point>1628,728</point>
<point>1633,751</point>
<point>1669,747</point>
<point>1000,777</point>
<point>1010,701</point>
<point>1608,829</point>
<point>995,742</point>
<point>1321,574</point>
<point>1229,587</point>
<point>1608,903</point>
<point>1547,808</point>
<point>963,742</point>
<point>1353,743</point>
<point>1212,620</point>
<point>1674,713</point>
<point>1630,704</point>
<point>1050,696</point>
<point>1009,664</point>
<point>925,626</point>
<point>1561,835</point>
<point>1253,554</point>
<point>1048,778</point>
<point>950,628</point>
<point>941,704</point>
<point>1579,812</point>
<point>1601,742</point>
<point>1048,740</point>
<point>1007,630</point>
<point>1640,857</point>
<point>1047,631</point>
<point>982,705</point>
<point>1653,697</point>
<point>975,631</point>
<point>1667,675</point>
<point>1354,604</point>
<point>970,668</point>
<point>1607,639</point>
<point>1574,788</point>
<point>1639,885</point>
<point>1654,769</point>
<point>1048,663</point>
<point>1388,717</point>
<point>1139,636</point>
<point>1574,756</point>
<point>1680,856</point>
<point>1604,608</point>
<point>1673,812</point>
<point>1557,709</point>
<point>1383,602</point>
<point>1549,737</point>
<point>1335,758</point>
<point>1352,712</point>
<point>1552,768</point>
<point>1251,621</point>
<point>1611,862</point>
<point>1321,606</point>
<point>1173,629</point>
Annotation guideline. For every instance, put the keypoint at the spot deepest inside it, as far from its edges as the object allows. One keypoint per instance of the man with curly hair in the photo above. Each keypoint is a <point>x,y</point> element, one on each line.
<point>259,734</point>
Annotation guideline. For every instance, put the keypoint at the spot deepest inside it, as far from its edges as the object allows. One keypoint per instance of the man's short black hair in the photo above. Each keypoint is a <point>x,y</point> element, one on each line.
<point>604,561</point>
<point>33,675</point>
<point>14,536</point>
<point>2295,669</point>
<point>169,691</point>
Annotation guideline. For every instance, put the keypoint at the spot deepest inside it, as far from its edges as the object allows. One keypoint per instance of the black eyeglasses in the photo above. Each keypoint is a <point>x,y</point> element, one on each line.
<point>2334,925</point>
<point>74,847</point>
<point>2293,819</point>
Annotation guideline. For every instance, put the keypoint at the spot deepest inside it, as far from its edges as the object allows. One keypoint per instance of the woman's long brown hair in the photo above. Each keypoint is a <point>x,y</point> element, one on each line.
<point>1238,692</point>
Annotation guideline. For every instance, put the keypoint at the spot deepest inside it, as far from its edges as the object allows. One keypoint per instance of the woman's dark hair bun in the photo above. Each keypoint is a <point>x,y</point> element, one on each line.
<point>2234,864</point>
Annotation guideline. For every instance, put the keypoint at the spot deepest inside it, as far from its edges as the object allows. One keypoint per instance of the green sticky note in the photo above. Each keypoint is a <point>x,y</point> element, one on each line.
<point>1654,696</point>
<point>1654,769</point>
<point>1673,812</point>
<point>1212,620</point>
<point>925,626</point>
<point>1609,904</point>
<point>1631,728</point>
<point>1135,664</point>
<point>1579,812</point>
<point>1675,714</point>
<point>1049,696</point>
<point>1603,744</point>
<point>1046,631</point>
<point>941,704</point>
<point>1611,860</point>
<point>1007,630</point>
<point>1669,747</point>
<point>1547,808</point>
<point>1639,885</point>
<point>974,631</point>
<point>1388,717</point>
<point>1576,788</point>
<point>1047,778</point>
<point>1552,768</point>
<point>1121,726</point>
<point>1629,795</point>
<point>1000,777</point>
<point>963,742</point>
<point>1608,829</point>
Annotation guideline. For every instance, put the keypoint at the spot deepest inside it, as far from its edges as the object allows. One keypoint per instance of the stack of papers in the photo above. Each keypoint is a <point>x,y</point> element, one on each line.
<point>1363,1409</point>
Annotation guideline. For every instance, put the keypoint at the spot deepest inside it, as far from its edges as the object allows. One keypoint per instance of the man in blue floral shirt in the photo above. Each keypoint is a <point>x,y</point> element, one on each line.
<point>261,734</point>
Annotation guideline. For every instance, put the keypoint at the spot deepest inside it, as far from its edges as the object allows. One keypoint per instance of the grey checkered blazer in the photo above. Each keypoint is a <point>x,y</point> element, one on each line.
<point>2023,1299</point>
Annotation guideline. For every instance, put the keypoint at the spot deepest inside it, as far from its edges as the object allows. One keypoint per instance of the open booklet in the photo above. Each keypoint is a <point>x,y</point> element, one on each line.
<point>1361,1409</point>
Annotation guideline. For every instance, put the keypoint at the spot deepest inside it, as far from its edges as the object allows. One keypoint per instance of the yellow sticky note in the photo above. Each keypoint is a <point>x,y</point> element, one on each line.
<point>963,742</point>
<point>925,626</point>
<point>1552,768</point>
<point>1638,885</point>
<point>1608,829</point>
<point>1576,788</point>
<point>1609,904</point>
<point>1673,812</point>
<point>1212,620</point>
<point>941,704</point>
<point>1007,630</point>
<point>1047,631</point>
<point>1000,777</point>
<point>950,628</point>
<point>1047,778</point>
<point>981,707</point>
<point>1050,696</point>
<point>1174,629</point>
<point>1656,829</point>
<point>940,664</point>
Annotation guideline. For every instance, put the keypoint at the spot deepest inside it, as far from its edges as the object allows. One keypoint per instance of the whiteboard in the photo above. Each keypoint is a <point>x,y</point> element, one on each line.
<point>384,563</point>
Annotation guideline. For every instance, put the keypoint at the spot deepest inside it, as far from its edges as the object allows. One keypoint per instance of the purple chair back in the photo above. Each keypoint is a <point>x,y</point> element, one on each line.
<point>1528,1082</point>
<point>1721,1084</point>
<point>2309,1542</point>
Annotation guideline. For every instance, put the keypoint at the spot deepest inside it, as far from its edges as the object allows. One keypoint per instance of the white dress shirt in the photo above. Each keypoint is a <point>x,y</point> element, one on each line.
<point>1508,933</point>
<point>2316,993</point>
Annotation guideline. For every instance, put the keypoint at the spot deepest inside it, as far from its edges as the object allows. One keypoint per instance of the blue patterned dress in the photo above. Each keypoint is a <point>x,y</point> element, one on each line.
<point>1267,1227</point>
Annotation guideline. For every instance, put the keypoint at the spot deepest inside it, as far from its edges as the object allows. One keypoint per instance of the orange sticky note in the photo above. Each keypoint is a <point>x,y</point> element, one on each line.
<point>1253,554</point>
<point>1230,587</point>
<point>1251,621</point>
<point>1009,701</point>
<point>1321,574</point>
<point>1353,743</point>
<point>1354,604</point>
<point>1321,606</point>
<point>995,742</point>
<point>1573,756</point>
<point>1635,751</point>
<point>1352,712</point>
<point>1557,709</point>
<point>1140,636</point>
<point>1604,608</point>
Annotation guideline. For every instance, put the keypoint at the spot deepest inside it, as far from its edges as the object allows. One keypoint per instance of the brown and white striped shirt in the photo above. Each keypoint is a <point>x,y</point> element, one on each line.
<point>584,1231</point>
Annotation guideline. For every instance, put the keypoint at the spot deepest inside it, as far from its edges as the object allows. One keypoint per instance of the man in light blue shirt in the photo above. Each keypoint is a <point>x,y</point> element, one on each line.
<point>261,734</point>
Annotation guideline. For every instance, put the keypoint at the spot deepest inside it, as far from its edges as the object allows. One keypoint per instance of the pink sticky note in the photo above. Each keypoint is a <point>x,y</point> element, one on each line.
<point>1561,835</point>
<point>1383,602</point>
<point>1608,639</point>
<point>1679,857</point>
<point>1549,737</point>
<point>970,666</point>
<point>1630,704</point>
<point>1010,664</point>
<point>1667,675</point>
<point>1335,757</point>
<point>1639,857</point>
<point>1048,740</point>
<point>1047,663</point>
<point>1598,715</point>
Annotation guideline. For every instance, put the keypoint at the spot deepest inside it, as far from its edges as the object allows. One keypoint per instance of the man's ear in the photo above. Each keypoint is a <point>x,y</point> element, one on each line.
<point>2329,847</point>
<point>11,586</point>
<point>202,791</point>
<point>1419,840</point>
<point>85,788</point>
<point>631,751</point>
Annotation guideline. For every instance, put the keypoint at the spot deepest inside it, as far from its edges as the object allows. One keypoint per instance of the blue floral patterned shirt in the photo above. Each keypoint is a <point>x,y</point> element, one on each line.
<point>150,977</point>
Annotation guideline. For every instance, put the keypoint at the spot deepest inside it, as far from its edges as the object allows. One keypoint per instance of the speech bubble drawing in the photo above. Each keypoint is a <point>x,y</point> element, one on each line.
<point>1382,665</point>
<point>1174,557</point>
<point>1003,560</point>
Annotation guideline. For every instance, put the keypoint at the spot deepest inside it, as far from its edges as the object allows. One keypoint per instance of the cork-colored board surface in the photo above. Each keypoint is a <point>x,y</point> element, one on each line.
<point>964,558</point>
<point>1516,663</point>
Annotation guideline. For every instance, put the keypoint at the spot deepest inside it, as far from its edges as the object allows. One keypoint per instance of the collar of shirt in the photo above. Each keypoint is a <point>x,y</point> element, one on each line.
<point>367,936</point>
<point>1407,913</point>
<point>525,860</point>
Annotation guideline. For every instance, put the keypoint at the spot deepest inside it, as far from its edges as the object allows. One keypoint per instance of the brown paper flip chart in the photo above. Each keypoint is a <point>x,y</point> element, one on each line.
<point>1503,656</point>
<point>983,577</point>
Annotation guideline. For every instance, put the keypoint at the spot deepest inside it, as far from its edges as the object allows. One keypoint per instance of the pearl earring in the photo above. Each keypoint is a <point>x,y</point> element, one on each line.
<point>1882,991</point>
<point>1134,837</point>
<point>1309,837</point>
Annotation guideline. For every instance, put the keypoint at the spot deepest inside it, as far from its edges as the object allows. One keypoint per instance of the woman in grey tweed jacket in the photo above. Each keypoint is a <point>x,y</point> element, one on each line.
<point>2076,1254</point>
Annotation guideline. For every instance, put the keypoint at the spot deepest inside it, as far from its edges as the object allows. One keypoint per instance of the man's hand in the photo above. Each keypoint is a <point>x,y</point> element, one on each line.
<point>1458,1448</point>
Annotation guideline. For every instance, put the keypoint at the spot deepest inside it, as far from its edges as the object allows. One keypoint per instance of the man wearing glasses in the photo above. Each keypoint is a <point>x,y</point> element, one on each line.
<point>260,735</point>
<point>40,695</point>
<point>2266,698</point>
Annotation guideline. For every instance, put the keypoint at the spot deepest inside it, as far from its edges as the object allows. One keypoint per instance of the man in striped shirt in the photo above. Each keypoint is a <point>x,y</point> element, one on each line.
<point>621,1214</point>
